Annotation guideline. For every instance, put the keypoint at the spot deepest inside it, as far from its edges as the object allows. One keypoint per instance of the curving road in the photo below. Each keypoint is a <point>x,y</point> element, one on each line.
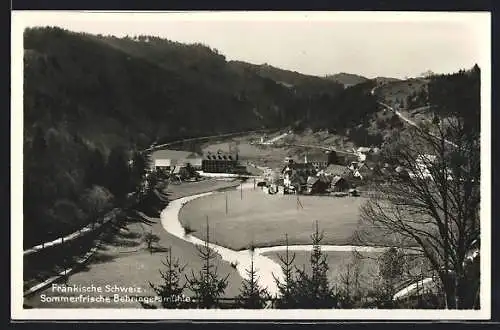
<point>407,120</point>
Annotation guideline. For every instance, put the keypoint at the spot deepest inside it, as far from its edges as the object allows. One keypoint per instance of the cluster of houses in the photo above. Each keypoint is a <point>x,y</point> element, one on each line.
<point>323,172</point>
<point>308,178</point>
<point>318,173</point>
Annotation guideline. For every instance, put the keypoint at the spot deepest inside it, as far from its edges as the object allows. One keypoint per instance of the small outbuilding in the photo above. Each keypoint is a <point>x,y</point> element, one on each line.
<point>316,185</point>
<point>339,184</point>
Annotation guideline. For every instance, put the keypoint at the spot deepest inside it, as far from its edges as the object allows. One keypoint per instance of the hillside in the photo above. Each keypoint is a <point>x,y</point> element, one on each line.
<point>347,79</point>
<point>403,93</point>
<point>130,94</point>
<point>290,79</point>
<point>420,100</point>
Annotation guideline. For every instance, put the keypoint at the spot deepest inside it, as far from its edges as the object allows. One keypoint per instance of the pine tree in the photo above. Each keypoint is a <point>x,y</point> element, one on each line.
<point>171,291</point>
<point>286,287</point>
<point>313,290</point>
<point>207,286</point>
<point>252,295</point>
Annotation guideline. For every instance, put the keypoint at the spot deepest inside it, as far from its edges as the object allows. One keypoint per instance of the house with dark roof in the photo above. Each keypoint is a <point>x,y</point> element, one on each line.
<point>339,184</point>
<point>317,184</point>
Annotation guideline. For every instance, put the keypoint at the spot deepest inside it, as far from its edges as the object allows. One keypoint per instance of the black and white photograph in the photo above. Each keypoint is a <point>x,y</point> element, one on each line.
<point>251,165</point>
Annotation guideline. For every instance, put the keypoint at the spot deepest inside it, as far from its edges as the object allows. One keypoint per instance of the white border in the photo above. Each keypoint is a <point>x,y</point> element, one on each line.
<point>22,19</point>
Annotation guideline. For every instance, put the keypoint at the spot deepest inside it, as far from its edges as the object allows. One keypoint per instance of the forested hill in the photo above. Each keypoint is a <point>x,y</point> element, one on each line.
<point>146,88</point>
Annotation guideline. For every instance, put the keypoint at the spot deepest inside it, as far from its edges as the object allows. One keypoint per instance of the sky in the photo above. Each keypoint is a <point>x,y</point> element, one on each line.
<point>371,44</point>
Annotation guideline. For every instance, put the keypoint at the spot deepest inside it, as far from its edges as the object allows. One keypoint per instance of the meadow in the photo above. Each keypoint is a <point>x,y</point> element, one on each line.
<point>254,217</point>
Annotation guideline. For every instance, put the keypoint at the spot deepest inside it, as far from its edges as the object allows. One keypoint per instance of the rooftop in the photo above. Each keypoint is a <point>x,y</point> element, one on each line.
<point>334,169</point>
<point>299,166</point>
<point>336,179</point>
<point>312,180</point>
<point>220,155</point>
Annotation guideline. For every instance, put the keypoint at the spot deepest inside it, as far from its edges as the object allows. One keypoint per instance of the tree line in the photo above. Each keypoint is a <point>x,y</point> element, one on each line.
<point>298,288</point>
<point>69,184</point>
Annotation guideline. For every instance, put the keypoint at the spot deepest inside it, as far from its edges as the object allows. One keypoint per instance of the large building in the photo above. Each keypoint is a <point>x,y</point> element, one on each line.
<point>220,162</point>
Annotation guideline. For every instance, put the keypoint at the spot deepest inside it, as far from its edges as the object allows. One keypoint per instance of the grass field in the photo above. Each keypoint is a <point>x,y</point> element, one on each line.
<point>264,219</point>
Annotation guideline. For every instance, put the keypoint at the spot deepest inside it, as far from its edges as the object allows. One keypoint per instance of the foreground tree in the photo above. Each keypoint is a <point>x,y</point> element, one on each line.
<point>287,285</point>
<point>312,290</point>
<point>436,206</point>
<point>207,285</point>
<point>171,291</point>
<point>252,295</point>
